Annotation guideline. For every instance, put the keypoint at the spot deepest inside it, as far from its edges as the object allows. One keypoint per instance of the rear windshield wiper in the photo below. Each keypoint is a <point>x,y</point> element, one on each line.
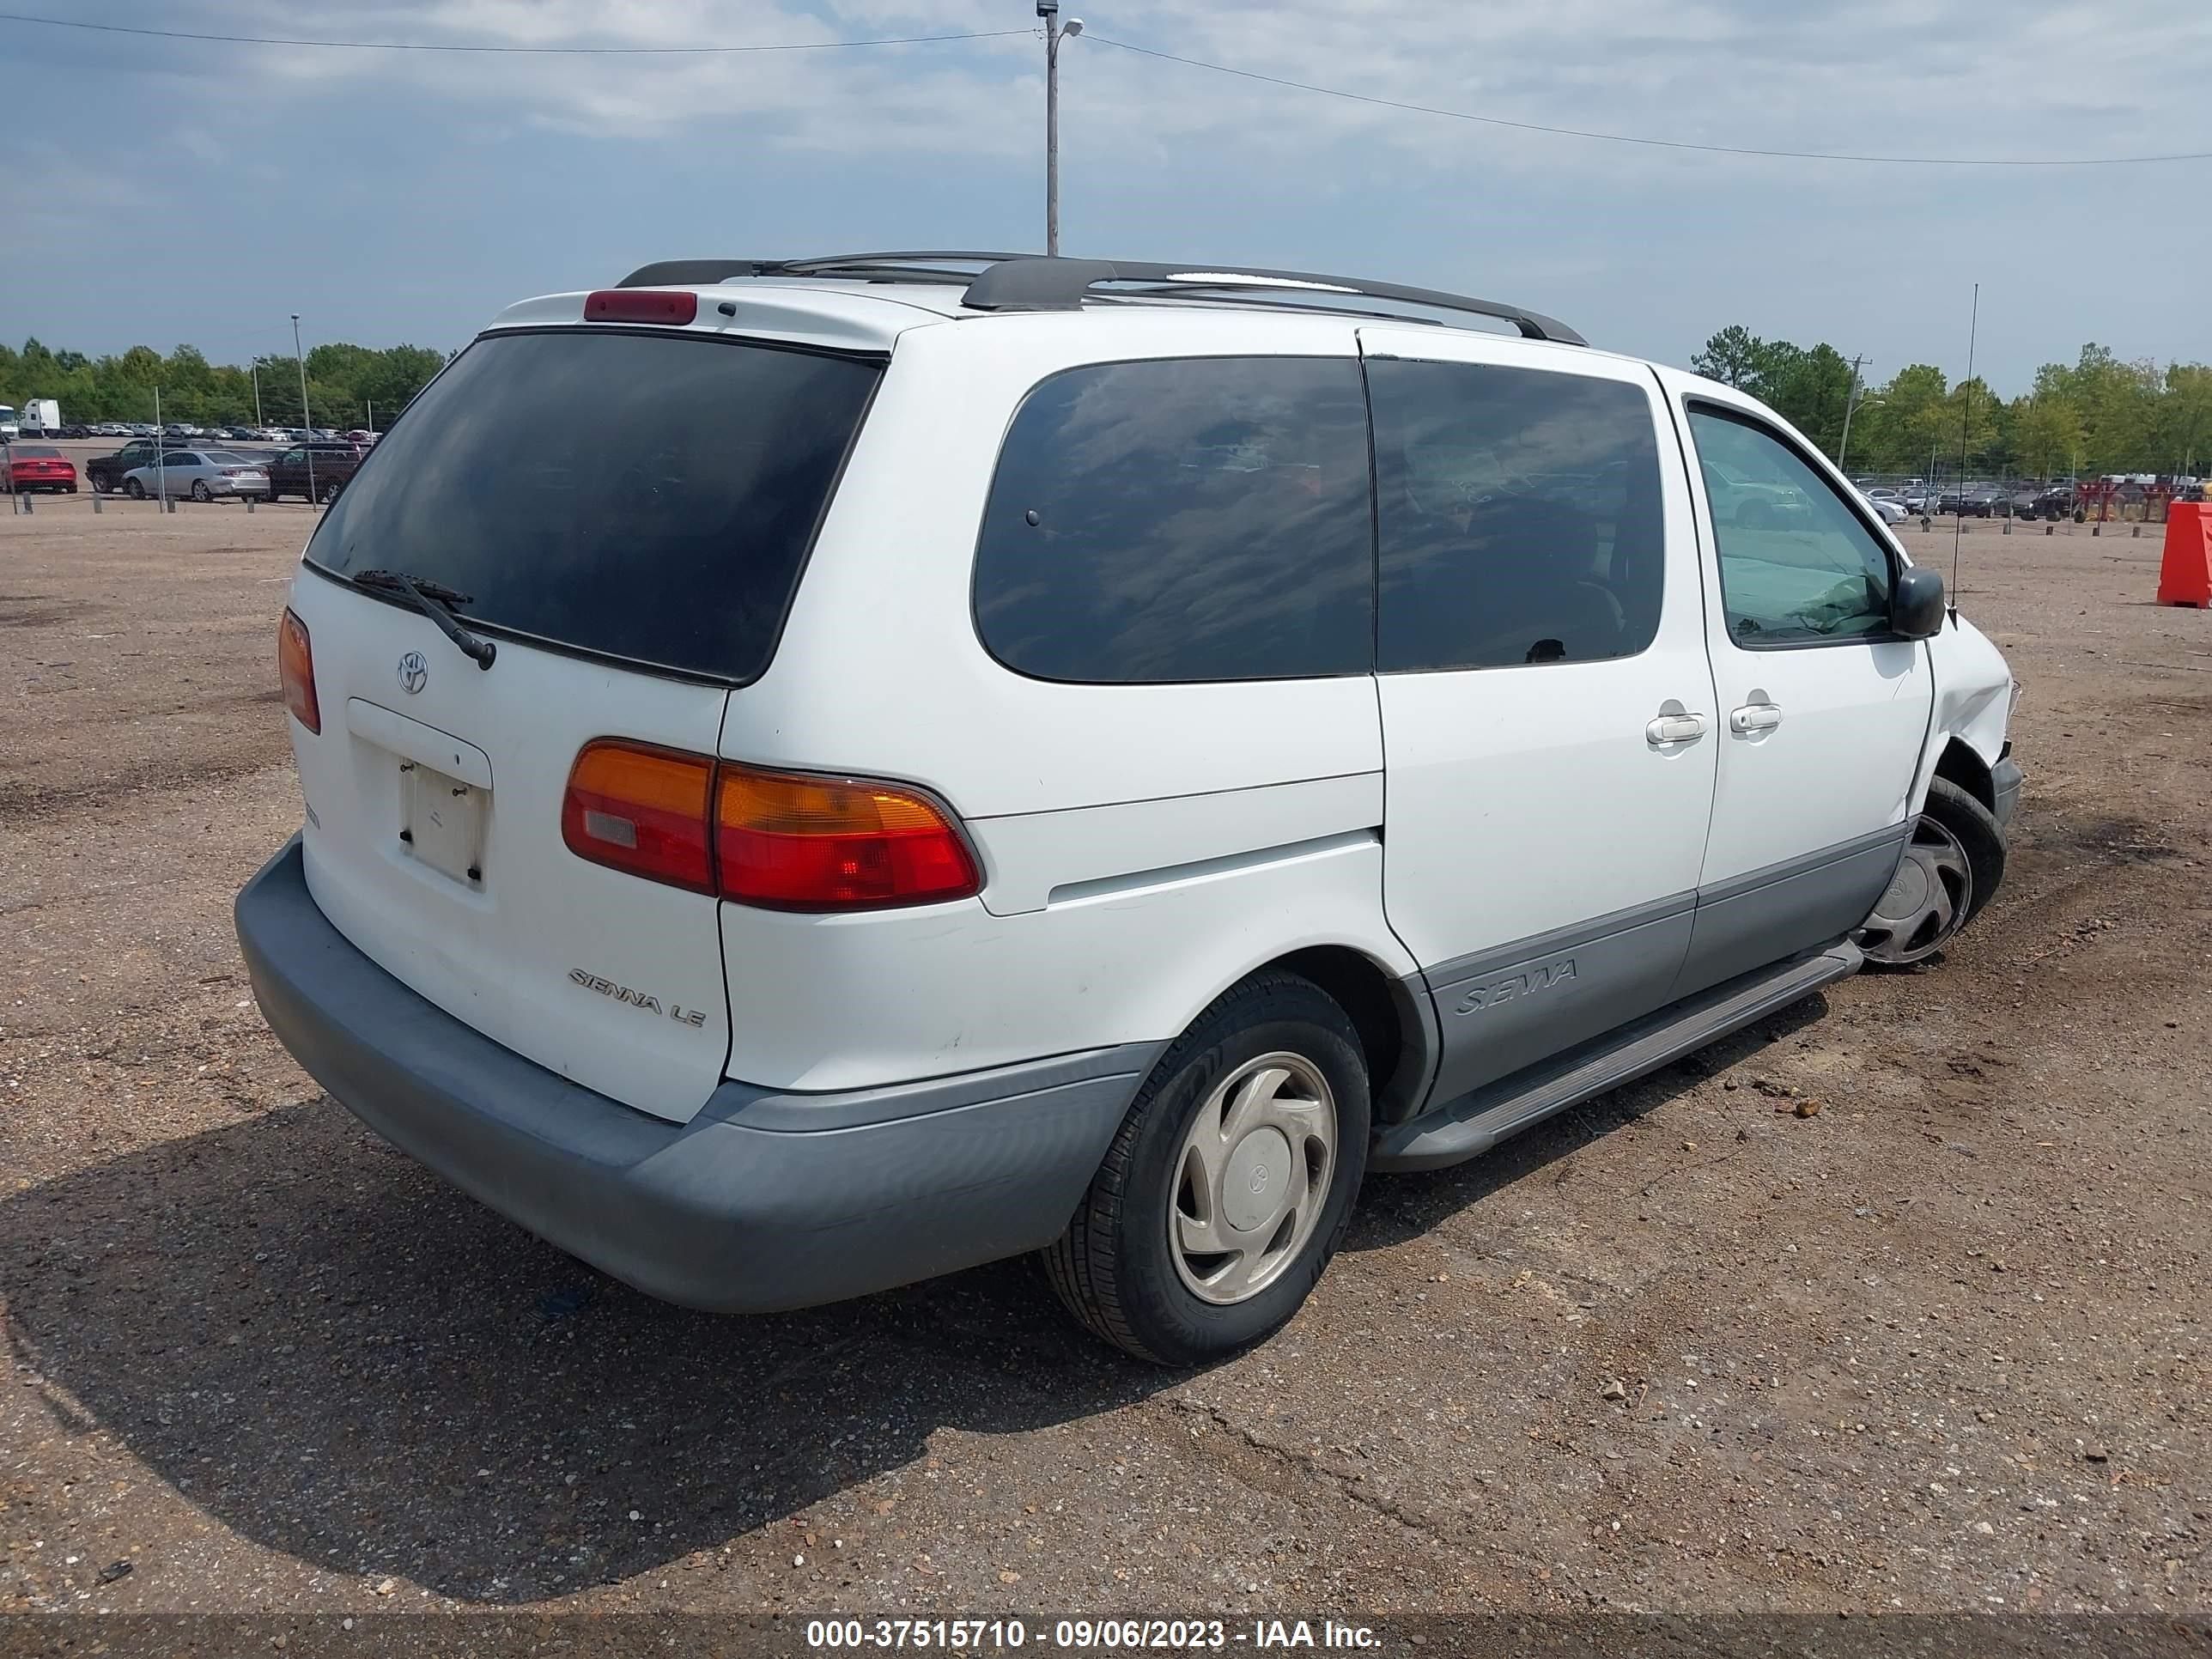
<point>432,598</point>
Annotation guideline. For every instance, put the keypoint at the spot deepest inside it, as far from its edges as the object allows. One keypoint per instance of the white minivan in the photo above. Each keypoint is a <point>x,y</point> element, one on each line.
<point>975,754</point>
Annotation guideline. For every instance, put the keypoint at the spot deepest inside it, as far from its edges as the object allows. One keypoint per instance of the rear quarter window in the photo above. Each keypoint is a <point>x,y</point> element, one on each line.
<point>1201,519</point>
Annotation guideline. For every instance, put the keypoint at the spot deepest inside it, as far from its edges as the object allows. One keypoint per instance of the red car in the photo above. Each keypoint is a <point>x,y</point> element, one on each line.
<point>38,466</point>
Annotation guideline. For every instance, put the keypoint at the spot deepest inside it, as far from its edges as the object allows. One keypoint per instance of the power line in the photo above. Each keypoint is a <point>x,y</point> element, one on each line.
<point>561,51</point>
<point>1369,98</point>
<point>1655,143</point>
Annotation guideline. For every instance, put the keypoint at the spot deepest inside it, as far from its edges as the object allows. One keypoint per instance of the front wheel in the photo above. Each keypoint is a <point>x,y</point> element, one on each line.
<point>1231,1181</point>
<point>134,490</point>
<point>1951,869</point>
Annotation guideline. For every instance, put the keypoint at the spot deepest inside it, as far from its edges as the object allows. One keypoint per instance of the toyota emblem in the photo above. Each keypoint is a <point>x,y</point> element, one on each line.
<point>414,672</point>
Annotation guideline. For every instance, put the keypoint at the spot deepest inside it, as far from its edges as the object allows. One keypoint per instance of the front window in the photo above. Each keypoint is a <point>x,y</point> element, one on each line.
<point>1797,565</point>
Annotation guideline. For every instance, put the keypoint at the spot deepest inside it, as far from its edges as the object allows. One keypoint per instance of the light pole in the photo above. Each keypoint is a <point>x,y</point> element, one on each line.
<point>1054,31</point>
<point>307,421</point>
<point>1851,401</point>
<point>254,369</point>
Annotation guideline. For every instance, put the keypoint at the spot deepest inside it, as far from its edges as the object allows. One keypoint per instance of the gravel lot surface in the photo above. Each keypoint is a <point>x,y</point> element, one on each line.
<point>1899,1300</point>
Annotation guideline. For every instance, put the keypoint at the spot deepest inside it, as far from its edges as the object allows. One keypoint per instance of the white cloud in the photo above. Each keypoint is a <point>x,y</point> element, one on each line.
<point>1943,76</point>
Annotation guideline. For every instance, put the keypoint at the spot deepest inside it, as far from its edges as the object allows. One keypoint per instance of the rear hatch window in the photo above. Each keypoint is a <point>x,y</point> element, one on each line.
<point>644,496</point>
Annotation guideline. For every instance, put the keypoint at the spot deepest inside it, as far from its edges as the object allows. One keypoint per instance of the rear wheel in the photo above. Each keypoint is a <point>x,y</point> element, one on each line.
<point>1951,869</point>
<point>200,491</point>
<point>1230,1182</point>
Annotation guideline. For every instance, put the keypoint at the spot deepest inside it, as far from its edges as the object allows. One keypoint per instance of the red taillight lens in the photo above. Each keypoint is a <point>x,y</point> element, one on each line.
<point>295,666</point>
<point>640,305</point>
<point>781,841</point>
<point>793,842</point>
<point>643,810</point>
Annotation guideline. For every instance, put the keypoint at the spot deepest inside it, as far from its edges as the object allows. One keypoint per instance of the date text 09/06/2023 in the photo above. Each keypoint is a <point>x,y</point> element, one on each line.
<point>1111,1635</point>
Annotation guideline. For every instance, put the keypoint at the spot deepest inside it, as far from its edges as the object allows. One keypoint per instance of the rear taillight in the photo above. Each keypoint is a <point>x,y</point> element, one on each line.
<point>778,840</point>
<point>643,810</point>
<point>793,842</point>
<point>295,666</point>
<point>640,305</point>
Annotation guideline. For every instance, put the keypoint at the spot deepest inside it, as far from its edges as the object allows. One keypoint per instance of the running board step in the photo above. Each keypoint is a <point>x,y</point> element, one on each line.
<point>1473,1124</point>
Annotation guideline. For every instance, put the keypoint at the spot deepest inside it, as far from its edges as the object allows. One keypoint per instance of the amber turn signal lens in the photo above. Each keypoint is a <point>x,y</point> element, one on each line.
<point>295,667</point>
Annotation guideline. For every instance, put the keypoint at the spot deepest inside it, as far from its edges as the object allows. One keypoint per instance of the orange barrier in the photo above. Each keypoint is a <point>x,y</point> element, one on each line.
<point>2185,576</point>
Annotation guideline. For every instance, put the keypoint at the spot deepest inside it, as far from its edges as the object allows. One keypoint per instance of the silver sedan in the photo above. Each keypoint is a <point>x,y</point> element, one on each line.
<point>206,475</point>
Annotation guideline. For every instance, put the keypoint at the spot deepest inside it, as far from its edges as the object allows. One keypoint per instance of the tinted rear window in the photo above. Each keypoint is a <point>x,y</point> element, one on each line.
<point>647,497</point>
<point>1520,516</point>
<point>1198,520</point>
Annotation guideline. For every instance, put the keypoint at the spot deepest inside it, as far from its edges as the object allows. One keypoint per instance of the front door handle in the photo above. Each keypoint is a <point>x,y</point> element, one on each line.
<point>1755,717</point>
<point>1675,728</point>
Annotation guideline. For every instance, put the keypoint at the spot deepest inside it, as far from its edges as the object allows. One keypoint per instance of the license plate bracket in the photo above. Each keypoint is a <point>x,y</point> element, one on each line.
<point>441,822</point>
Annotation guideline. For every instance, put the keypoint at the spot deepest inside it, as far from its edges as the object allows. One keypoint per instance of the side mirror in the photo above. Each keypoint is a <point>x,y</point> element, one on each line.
<point>1916,605</point>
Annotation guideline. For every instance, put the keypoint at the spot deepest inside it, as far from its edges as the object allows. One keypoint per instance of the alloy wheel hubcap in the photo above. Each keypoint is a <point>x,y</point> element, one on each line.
<point>1252,1178</point>
<point>1926,900</point>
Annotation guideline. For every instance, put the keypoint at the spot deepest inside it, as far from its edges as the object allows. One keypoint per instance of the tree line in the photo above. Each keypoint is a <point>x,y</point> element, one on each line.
<point>343,382</point>
<point>2095,415</point>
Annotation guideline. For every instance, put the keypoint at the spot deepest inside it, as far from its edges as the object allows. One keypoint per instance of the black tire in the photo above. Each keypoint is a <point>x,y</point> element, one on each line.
<point>134,490</point>
<point>272,497</point>
<point>1977,831</point>
<point>1980,838</point>
<point>330,491</point>
<point>100,487</point>
<point>200,491</point>
<point>1114,1267</point>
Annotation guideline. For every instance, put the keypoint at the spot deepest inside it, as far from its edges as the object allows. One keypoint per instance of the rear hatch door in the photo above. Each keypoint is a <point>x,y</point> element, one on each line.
<point>628,512</point>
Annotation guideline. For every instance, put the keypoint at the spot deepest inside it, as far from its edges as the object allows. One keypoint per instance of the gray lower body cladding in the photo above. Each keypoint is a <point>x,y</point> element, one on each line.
<point>1512,1021</point>
<point>1475,1122</point>
<point>764,1201</point>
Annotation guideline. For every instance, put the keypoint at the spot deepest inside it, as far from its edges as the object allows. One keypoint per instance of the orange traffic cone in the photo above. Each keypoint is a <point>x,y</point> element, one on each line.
<point>2185,576</point>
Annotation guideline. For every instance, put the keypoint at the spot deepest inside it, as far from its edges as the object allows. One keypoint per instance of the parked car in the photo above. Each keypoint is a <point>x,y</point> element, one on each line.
<point>30,468</point>
<point>105,472</point>
<point>1973,502</point>
<point>2052,502</point>
<point>1888,508</point>
<point>206,475</point>
<point>314,471</point>
<point>1748,502</point>
<point>75,430</point>
<point>271,434</point>
<point>862,784</point>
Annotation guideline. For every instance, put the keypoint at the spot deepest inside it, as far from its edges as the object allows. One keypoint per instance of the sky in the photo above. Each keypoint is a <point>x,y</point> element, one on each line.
<point>160,191</point>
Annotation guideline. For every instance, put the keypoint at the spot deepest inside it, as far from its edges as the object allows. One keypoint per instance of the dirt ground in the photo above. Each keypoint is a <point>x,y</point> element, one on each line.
<point>1940,1345</point>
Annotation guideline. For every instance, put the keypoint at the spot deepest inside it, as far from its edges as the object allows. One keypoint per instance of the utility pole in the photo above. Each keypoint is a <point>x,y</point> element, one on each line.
<point>307,421</point>
<point>1049,10</point>
<point>1850,401</point>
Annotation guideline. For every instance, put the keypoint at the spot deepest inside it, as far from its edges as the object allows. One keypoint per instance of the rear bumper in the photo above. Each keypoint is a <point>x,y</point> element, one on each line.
<point>2005,780</point>
<point>763,1201</point>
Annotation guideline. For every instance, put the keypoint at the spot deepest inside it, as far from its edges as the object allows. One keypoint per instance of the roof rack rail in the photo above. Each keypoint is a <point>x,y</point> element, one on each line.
<point>880,267</point>
<point>1027,281</point>
<point>1033,282</point>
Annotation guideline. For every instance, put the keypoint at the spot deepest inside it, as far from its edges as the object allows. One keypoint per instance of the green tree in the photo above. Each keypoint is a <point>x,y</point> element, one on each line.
<point>2047,430</point>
